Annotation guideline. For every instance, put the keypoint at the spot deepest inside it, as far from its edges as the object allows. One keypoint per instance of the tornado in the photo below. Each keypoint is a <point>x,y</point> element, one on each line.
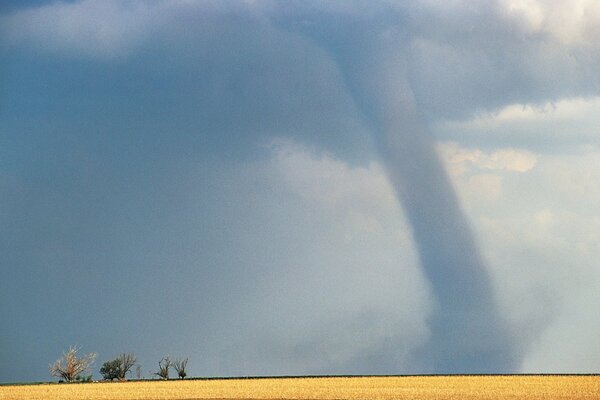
<point>468,333</point>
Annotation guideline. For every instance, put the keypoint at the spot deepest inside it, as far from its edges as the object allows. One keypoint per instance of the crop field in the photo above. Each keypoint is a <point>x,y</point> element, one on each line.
<point>408,387</point>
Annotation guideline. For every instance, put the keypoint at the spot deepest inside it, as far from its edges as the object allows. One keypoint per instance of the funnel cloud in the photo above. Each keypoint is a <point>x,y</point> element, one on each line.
<point>468,332</point>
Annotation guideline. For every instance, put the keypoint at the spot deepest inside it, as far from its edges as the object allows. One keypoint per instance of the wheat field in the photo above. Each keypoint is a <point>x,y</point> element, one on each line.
<point>410,387</point>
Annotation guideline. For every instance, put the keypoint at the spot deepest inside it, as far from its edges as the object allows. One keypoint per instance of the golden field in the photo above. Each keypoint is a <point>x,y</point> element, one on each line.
<point>409,387</point>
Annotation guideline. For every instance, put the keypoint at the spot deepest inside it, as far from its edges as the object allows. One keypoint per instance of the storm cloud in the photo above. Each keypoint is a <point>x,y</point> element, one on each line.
<point>211,179</point>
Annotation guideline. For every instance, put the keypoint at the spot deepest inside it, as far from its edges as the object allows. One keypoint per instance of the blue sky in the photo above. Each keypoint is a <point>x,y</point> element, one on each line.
<point>274,187</point>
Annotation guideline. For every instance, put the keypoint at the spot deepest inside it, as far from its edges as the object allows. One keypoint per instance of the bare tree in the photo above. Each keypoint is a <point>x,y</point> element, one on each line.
<point>138,371</point>
<point>180,366</point>
<point>70,366</point>
<point>163,368</point>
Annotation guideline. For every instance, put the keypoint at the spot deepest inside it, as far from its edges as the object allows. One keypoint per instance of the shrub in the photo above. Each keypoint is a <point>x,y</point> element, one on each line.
<point>84,378</point>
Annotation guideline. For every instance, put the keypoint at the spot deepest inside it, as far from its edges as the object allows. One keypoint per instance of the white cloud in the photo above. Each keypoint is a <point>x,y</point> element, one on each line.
<point>459,158</point>
<point>529,11</point>
<point>479,175</point>
<point>566,109</point>
<point>511,160</point>
<point>575,121</point>
<point>569,21</point>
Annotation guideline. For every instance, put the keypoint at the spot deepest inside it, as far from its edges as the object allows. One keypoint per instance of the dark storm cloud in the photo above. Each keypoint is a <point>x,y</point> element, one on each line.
<point>124,130</point>
<point>127,223</point>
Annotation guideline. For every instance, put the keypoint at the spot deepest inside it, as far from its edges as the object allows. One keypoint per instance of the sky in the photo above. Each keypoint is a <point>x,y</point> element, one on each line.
<point>302,187</point>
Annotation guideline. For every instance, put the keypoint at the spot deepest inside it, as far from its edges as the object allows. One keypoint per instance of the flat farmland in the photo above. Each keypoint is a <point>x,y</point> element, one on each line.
<point>530,387</point>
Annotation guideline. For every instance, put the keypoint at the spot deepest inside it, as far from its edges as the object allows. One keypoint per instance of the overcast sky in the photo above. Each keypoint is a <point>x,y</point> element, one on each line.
<point>212,180</point>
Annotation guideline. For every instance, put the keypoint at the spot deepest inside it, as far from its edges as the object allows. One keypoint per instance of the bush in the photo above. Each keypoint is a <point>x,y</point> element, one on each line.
<point>84,378</point>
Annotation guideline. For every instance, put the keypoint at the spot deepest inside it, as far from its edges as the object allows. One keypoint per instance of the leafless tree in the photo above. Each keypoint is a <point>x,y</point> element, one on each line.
<point>70,366</point>
<point>138,371</point>
<point>163,368</point>
<point>180,365</point>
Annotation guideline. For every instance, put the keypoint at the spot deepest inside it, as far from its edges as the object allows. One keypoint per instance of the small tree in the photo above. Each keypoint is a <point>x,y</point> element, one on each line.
<point>119,367</point>
<point>180,366</point>
<point>163,368</point>
<point>126,362</point>
<point>70,366</point>
<point>110,370</point>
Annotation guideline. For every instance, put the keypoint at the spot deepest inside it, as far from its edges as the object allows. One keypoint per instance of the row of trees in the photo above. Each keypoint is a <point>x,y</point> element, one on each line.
<point>71,367</point>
